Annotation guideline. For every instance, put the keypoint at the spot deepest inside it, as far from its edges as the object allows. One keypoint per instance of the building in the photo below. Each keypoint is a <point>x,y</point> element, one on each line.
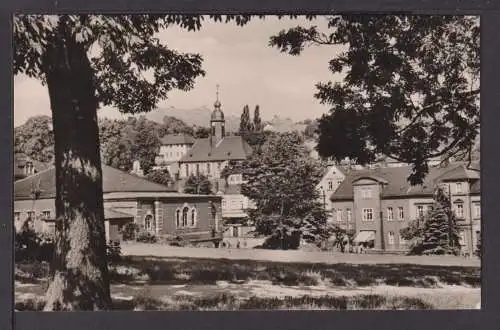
<point>24,166</point>
<point>172,148</point>
<point>155,208</point>
<point>378,203</point>
<point>332,178</point>
<point>209,157</point>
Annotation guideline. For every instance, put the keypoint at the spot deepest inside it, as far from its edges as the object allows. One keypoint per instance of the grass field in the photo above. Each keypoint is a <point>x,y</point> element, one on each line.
<point>167,283</point>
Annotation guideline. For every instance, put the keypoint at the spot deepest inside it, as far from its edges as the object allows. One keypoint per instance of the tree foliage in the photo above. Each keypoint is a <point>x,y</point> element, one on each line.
<point>410,86</point>
<point>281,179</point>
<point>198,185</point>
<point>88,61</point>
<point>257,121</point>
<point>436,232</point>
<point>245,121</point>
<point>35,139</point>
<point>161,176</point>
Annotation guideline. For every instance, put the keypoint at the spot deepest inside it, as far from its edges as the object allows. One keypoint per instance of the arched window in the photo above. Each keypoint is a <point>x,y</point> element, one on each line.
<point>185,216</point>
<point>178,218</point>
<point>149,222</point>
<point>193,217</point>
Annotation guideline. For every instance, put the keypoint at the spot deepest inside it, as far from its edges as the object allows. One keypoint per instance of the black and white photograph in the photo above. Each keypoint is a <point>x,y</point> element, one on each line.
<point>176,162</point>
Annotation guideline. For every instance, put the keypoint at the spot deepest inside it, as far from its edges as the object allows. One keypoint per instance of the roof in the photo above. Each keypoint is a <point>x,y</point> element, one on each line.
<point>171,139</point>
<point>113,180</point>
<point>229,148</point>
<point>114,214</point>
<point>396,183</point>
<point>460,173</point>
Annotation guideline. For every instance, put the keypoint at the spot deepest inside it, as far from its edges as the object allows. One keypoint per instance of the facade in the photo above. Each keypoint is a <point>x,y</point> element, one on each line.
<point>155,208</point>
<point>24,166</point>
<point>210,156</point>
<point>173,147</point>
<point>334,175</point>
<point>378,203</point>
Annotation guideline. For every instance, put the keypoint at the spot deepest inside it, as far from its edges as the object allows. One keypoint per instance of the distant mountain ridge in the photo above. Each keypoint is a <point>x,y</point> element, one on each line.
<point>195,116</point>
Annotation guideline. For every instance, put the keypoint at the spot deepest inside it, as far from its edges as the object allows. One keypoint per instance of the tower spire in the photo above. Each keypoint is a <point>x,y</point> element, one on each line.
<point>217,103</point>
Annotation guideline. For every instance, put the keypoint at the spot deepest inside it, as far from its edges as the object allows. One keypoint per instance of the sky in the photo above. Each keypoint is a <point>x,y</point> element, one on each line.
<point>239,60</point>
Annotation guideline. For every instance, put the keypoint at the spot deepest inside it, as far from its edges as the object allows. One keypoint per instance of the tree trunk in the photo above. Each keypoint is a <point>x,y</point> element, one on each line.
<point>79,270</point>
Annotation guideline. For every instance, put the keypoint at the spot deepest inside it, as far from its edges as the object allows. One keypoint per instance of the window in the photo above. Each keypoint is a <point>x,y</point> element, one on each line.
<point>390,238</point>
<point>148,222</point>
<point>17,216</point>
<point>187,170</point>
<point>334,214</point>
<point>185,216</point>
<point>46,214</point>
<point>31,214</point>
<point>430,208</point>
<point>349,215</point>
<point>477,210</point>
<point>29,168</point>
<point>390,214</point>
<point>208,168</point>
<point>339,215</point>
<point>459,188</point>
<point>460,210</point>
<point>223,203</point>
<point>366,193</point>
<point>401,213</point>
<point>462,238</point>
<point>193,217</point>
<point>420,211</point>
<point>367,214</point>
<point>330,185</point>
<point>178,218</point>
<point>197,169</point>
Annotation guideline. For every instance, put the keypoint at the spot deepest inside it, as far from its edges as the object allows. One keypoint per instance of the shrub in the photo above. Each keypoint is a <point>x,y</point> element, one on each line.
<point>145,237</point>
<point>30,246</point>
<point>130,231</point>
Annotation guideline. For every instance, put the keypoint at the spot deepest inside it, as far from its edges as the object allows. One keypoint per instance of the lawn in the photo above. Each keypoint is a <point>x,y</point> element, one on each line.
<point>166,283</point>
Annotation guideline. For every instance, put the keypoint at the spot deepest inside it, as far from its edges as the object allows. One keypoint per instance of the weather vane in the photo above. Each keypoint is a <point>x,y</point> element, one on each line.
<point>217,86</point>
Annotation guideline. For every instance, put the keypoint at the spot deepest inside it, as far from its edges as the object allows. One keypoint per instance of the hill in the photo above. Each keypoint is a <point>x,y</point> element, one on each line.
<point>195,116</point>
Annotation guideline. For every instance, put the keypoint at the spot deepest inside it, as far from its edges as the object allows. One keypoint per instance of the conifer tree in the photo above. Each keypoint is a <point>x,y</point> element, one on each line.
<point>438,234</point>
<point>245,124</point>
<point>257,121</point>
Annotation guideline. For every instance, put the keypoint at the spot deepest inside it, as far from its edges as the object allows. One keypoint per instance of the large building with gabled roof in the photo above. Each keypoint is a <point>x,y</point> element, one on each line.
<point>153,207</point>
<point>377,203</point>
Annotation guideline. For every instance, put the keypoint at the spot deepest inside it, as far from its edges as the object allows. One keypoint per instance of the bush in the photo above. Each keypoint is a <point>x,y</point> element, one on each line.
<point>113,251</point>
<point>129,231</point>
<point>145,237</point>
<point>30,246</point>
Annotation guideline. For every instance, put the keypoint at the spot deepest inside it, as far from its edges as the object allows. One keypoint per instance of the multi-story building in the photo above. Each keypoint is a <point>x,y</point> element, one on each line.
<point>379,202</point>
<point>209,157</point>
<point>332,178</point>
<point>172,148</point>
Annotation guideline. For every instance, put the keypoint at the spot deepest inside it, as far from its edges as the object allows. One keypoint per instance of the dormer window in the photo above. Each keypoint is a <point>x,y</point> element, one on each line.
<point>459,188</point>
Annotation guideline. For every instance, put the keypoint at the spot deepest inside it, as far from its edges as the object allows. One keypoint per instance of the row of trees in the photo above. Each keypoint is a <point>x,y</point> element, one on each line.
<point>252,130</point>
<point>121,141</point>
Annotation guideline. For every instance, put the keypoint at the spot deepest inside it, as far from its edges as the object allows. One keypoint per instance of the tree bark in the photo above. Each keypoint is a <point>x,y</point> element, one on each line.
<point>79,271</point>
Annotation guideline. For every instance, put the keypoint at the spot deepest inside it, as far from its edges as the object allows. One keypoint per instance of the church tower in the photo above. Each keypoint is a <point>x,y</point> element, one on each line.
<point>217,123</point>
